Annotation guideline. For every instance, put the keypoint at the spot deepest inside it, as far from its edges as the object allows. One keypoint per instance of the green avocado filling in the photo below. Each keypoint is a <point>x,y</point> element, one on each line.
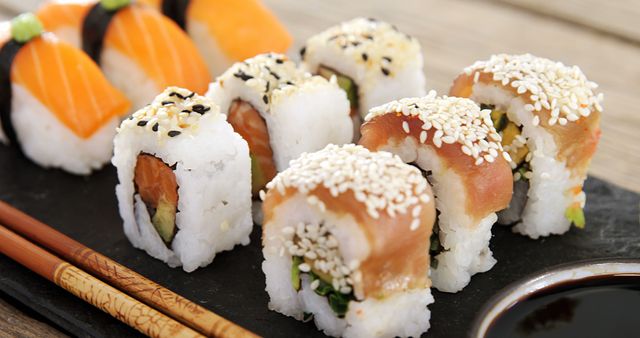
<point>164,220</point>
<point>344,82</point>
<point>436,247</point>
<point>338,301</point>
<point>509,131</point>
<point>258,180</point>
<point>576,215</point>
<point>25,27</point>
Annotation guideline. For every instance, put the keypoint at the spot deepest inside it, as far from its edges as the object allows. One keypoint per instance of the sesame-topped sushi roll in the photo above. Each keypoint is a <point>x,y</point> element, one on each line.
<point>346,241</point>
<point>454,143</point>
<point>185,189</point>
<point>373,62</point>
<point>227,31</point>
<point>548,115</point>
<point>281,111</point>
<point>55,104</point>
<point>139,50</point>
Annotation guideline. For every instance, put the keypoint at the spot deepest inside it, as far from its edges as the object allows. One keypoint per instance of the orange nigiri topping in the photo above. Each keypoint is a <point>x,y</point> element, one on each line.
<point>159,47</point>
<point>68,83</point>
<point>242,28</point>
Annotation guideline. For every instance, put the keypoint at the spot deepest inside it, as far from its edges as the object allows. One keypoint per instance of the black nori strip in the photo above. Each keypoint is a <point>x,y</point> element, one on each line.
<point>200,109</point>
<point>176,10</point>
<point>174,133</point>
<point>142,123</point>
<point>8,53</point>
<point>94,28</point>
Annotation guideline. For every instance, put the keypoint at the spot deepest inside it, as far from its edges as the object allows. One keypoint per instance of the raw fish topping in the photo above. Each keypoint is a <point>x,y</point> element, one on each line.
<point>451,120</point>
<point>563,90</point>
<point>376,44</point>
<point>271,75</point>
<point>172,113</point>
<point>379,180</point>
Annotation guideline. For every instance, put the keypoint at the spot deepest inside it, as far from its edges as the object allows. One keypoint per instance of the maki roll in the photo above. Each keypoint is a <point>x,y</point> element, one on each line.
<point>54,101</point>
<point>184,191</point>
<point>346,242</point>
<point>455,145</point>
<point>373,62</point>
<point>139,50</point>
<point>548,115</point>
<point>226,31</point>
<point>281,111</point>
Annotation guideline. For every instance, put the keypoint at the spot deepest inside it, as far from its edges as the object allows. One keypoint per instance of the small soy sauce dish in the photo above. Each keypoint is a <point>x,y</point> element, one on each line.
<point>596,298</point>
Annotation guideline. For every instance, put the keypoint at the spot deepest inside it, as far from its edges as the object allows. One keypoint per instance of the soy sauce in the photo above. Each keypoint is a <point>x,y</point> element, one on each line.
<point>595,307</point>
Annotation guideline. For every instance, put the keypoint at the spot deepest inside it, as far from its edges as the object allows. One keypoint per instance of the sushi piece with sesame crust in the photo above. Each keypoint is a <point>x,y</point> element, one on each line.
<point>548,115</point>
<point>281,110</point>
<point>454,143</point>
<point>346,241</point>
<point>372,61</point>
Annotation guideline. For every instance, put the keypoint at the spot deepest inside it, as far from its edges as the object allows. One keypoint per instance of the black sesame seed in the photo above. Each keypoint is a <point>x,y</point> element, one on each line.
<point>368,36</point>
<point>243,76</point>
<point>186,111</point>
<point>200,109</point>
<point>385,71</point>
<point>355,43</point>
<point>372,19</point>
<point>266,89</point>
<point>190,95</point>
<point>265,99</point>
<point>365,56</point>
<point>174,133</point>
<point>173,94</point>
<point>279,61</point>
<point>142,123</point>
<point>386,58</point>
<point>290,83</point>
<point>333,37</point>
<point>274,75</point>
<point>166,103</point>
<point>155,127</point>
<point>303,51</point>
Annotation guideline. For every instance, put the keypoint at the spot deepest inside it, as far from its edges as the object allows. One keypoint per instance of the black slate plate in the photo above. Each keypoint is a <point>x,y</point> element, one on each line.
<point>85,209</point>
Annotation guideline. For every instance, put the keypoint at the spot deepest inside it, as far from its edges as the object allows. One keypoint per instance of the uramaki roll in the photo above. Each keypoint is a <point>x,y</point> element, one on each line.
<point>346,241</point>
<point>454,143</point>
<point>548,115</point>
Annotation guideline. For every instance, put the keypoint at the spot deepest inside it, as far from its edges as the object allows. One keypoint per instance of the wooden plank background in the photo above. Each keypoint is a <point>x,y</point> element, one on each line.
<point>602,37</point>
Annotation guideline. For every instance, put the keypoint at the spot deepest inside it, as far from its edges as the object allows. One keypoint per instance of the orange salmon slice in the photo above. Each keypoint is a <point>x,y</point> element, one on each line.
<point>247,122</point>
<point>66,81</point>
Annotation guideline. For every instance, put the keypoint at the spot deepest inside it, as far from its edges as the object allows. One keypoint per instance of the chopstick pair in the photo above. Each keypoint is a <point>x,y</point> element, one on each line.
<point>163,315</point>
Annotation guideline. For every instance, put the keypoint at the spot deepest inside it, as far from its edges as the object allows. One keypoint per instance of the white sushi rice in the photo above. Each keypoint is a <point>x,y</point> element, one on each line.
<point>465,240</point>
<point>301,118</point>
<point>403,314</point>
<point>212,169</point>
<point>49,143</point>
<point>127,76</point>
<point>547,197</point>
<point>215,59</point>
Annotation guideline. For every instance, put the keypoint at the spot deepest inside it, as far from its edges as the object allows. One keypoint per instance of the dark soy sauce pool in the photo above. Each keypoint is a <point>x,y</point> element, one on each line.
<point>595,307</point>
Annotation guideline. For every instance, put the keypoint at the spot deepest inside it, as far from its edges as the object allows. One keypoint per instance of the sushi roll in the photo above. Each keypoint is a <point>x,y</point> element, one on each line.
<point>548,115</point>
<point>184,189</point>
<point>454,143</point>
<point>346,242</point>
<point>139,50</point>
<point>226,31</point>
<point>281,111</point>
<point>55,104</point>
<point>374,63</point>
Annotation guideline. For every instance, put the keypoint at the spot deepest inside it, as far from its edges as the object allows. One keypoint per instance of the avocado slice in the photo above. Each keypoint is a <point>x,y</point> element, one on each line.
<point>258,181</point>
<point>295,272</point>
<point>164,220</point>
<point>508,135</point>
<point>575,214</point>
<point>499,119</point>
<point>344,82</point>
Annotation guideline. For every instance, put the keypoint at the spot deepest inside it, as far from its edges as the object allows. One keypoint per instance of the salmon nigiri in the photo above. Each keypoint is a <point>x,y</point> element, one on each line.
<point>140,51</point>
<point>55,102</point>
<point>227,31</point>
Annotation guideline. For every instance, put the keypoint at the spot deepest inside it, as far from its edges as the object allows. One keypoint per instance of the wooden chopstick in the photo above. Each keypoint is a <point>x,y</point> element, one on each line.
<point>134,284</point>
<point>92,290</point>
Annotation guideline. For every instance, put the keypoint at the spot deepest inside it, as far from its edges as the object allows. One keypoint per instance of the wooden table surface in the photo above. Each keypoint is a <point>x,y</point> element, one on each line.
<point>602,37</point>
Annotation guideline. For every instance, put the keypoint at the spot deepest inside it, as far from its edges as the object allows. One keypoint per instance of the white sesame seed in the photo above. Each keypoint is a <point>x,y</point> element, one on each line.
<point>405,127</point>
<point>535,121</point>
<point>314,285</point>
<point>423,136</point>
<point>415,224</point>
<point>304,267</point>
